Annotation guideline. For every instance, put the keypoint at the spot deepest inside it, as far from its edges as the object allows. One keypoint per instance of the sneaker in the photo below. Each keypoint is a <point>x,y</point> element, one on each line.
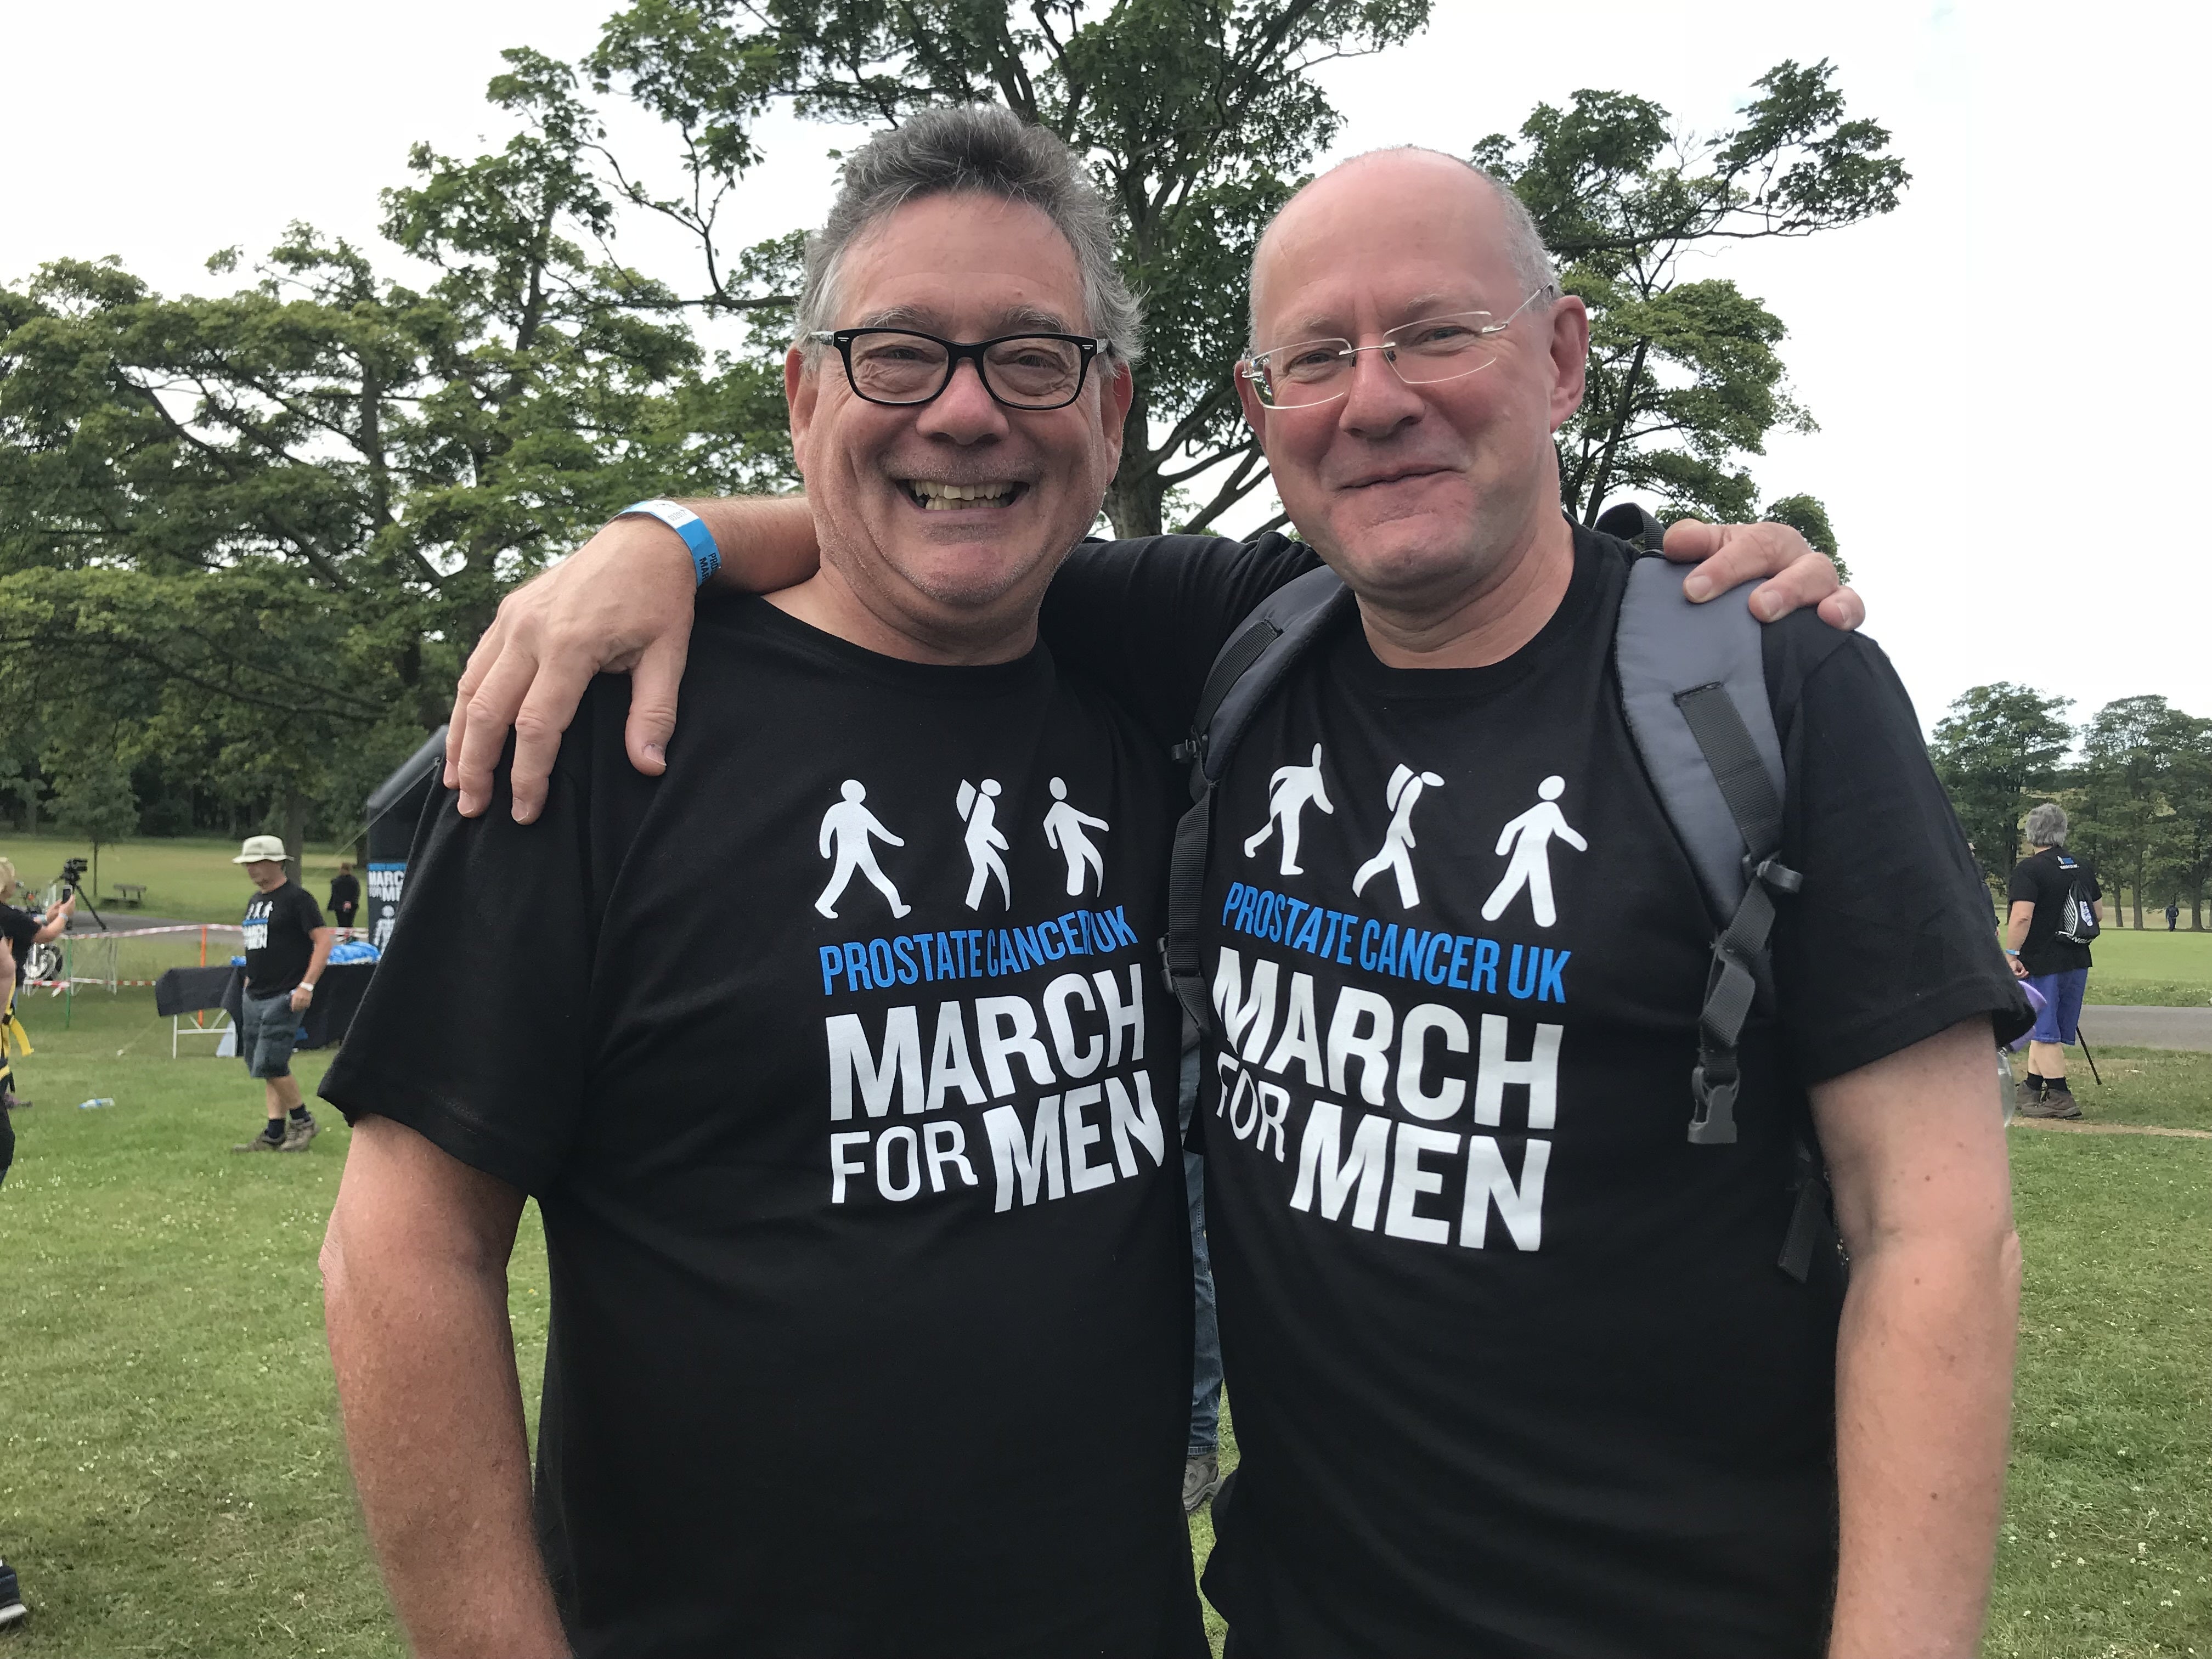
<point>1201,1479</point>
<point>2058,1102</point>
<point>12,1610</point>
<point>263,1144</point>
<point>298,1132</point>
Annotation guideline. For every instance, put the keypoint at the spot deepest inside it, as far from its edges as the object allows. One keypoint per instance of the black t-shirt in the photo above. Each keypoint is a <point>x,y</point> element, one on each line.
<point>278,943</point>
<point>840,1062</point>
<point>345,894</point>
<point>20,928</point>
<point>1514,1367</point>
<point>2044,879</point>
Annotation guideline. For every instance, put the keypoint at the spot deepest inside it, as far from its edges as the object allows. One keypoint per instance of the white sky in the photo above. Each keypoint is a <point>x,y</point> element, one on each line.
<point>1994,390</point>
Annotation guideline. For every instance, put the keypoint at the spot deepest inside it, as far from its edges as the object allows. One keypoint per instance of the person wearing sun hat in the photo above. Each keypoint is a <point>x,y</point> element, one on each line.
<point>287,943</point>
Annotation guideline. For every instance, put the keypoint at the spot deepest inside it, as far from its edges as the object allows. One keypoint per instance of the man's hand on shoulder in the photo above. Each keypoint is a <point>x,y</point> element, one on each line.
<point>622,603</point>
<point>1724,555</point>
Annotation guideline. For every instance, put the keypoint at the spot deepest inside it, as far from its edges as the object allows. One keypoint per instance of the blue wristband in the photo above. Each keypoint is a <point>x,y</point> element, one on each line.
<point>705,558</point>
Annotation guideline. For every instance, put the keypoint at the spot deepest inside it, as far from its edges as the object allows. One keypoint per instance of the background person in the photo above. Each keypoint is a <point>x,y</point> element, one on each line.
<point>287,943</point>
<point>346,896</point>
<point>21,930</point>
<point>2044,940</point>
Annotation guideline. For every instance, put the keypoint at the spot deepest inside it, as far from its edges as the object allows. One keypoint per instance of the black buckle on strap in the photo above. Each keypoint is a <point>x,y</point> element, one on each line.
<point>1772,873</point>
<point>1714,1125</point>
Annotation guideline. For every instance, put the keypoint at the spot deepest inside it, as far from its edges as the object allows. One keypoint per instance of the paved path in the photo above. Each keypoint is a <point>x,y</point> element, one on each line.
<point>2069,1127</point>
<point>2147,1027</point>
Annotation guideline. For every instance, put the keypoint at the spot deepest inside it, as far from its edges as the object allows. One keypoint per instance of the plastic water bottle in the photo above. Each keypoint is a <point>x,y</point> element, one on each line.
<point>95,1104</point>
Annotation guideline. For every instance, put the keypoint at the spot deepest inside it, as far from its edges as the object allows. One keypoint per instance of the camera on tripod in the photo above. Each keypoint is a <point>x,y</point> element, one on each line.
<point>73,874</point>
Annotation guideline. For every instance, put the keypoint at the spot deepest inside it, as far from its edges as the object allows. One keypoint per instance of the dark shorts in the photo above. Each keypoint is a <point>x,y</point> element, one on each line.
<point>267,1029</point>
<point>2060,1017</point>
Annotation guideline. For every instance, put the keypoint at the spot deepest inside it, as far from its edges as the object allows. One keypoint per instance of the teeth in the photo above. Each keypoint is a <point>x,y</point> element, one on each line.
<point>942,498</point>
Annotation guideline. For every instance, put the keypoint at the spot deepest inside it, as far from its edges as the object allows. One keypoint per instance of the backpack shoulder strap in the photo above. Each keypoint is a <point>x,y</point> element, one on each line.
<point>1258,656</point>
<point>1694,688</point>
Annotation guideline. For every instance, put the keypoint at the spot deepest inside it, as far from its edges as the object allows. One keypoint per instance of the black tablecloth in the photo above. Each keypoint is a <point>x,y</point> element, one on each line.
<point>337,995</point>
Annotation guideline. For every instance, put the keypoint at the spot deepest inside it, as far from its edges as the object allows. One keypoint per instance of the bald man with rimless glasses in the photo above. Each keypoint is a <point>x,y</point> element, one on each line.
<point>1146,618</point>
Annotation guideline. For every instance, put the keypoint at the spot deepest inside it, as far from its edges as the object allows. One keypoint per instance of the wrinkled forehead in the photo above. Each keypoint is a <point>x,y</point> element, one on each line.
<point>964,265</point>
<point>1381,241</point>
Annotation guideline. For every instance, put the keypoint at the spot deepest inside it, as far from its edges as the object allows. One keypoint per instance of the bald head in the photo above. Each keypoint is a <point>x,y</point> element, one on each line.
<point>1408,169</point>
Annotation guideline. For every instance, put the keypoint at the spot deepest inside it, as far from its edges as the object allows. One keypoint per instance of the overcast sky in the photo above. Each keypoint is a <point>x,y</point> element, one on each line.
<point>2009,388</point>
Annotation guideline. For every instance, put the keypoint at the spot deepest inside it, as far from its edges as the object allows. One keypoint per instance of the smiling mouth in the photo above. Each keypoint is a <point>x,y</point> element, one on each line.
<point>932,496</point>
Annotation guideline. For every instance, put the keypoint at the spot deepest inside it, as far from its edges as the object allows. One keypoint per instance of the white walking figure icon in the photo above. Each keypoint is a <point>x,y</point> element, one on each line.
<point>1406,786</point>
<point>846,827</point>
<point>1064,830</point>
<point>1289,792</point>
<point>979,809</point>
<point>1529,838</point>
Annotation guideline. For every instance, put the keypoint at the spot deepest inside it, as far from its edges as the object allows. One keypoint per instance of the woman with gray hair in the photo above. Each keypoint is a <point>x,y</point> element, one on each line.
<point>2054,916</point>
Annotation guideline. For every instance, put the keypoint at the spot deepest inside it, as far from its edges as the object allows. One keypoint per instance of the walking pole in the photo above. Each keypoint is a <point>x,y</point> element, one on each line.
<point>2087,1056</point>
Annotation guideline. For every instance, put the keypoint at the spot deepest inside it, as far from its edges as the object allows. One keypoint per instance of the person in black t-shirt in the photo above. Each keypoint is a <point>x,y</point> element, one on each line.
<point>1514,1369</point>
<point>836,1056</point>
<point>2049,890</point>
<point>287,943</point>
<point>345,895</point>
<point>21,931</point>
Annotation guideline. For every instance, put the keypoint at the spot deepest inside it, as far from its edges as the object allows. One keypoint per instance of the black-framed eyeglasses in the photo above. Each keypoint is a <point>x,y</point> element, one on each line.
<point>903,367</point>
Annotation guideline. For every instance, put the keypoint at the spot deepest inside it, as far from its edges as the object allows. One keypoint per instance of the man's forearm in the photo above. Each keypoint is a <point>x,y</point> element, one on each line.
<point>767,542</point>
<point>319,954</point>
<point>1923,1389</point>
<point>433,1409</point>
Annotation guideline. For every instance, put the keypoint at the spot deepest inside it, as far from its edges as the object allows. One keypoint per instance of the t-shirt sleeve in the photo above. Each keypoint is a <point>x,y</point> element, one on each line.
<point>473,1029</point>
<point>1144,619</point>
<point>310,914</point>
<point>1891,938</point>
<point>2023,888</point>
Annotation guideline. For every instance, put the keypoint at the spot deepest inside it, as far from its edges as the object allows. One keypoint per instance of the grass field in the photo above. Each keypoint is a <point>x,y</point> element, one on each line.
<point>190,880</point>
<point>172,1482</point>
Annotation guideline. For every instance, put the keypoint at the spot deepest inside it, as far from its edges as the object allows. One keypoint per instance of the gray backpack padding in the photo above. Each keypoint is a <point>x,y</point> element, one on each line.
<point>1693,689</point>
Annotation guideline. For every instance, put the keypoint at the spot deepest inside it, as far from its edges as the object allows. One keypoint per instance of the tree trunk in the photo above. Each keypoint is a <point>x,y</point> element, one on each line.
<point>1135,499</point>
<point>1603,481</point>
<point>294,831</point>
<point>2139,887</point>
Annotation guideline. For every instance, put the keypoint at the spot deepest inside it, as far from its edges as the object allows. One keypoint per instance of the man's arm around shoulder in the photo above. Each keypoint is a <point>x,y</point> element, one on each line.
<point>415,1293</point>
<point>1916,1153</point>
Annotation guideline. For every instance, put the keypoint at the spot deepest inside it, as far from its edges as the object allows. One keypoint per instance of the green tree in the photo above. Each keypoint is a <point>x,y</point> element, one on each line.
<point>256,529</point>
<point>1198,117</point>
<point>1685,376</point>
<point>95,800</point>
<point>2131,750</point>
<point>1998,743</point>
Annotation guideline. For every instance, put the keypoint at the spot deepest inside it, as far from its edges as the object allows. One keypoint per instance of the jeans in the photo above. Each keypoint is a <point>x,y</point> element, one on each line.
<point>1206,1349</point>
<point>267,1030</point>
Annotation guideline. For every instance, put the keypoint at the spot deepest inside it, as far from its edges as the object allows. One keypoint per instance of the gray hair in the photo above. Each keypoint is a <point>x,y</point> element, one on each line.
<point>981,149</point>
<point>2047,825</point>
<point>1524,244</point>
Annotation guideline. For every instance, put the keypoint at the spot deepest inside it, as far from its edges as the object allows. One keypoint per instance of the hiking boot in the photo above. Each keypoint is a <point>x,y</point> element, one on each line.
<point>12,1610</point>
<point>298,1132</point>
<point>2026,1094</point>
<point>1201,1479</point>
<point>2058,1102</point>
<point>261,1143</point>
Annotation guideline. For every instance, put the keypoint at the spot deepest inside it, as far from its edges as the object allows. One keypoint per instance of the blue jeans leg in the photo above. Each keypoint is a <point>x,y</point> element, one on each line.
<point>1205,1348</point>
